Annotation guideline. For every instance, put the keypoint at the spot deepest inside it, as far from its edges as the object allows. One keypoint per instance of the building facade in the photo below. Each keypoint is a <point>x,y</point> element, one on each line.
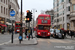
<point>72,15</point>
<point>61,14</point>
<point>51,13</point>
<point>5,12</point>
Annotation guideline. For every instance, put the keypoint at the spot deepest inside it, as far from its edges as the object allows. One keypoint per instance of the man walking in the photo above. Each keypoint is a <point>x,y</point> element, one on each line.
<point>72,33</point>
<point>26,33</point>
<point>30,31</point>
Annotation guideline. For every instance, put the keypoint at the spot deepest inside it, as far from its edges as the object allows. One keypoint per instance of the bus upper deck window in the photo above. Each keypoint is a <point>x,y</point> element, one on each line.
<point>41,17</point>
<point>47,18</point>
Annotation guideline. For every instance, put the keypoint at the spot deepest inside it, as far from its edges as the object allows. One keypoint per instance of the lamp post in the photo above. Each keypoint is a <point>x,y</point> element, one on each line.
<point>33,11</point>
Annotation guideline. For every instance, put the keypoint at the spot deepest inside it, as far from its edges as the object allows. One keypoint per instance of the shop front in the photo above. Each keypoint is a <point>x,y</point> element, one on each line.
<point>2,24</point>
<point>61,26</point>
<point>68,26</point>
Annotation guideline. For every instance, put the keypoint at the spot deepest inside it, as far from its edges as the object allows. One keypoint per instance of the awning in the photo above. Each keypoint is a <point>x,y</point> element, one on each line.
<point>3,25</point>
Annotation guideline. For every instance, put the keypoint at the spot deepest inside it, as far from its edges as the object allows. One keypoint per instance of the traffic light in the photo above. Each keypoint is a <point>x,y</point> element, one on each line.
<point>29,16</point>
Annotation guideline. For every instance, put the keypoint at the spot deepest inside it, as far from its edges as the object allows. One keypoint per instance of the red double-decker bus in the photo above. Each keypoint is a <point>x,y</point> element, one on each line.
<point>43,22</point>
<point>17,27</point>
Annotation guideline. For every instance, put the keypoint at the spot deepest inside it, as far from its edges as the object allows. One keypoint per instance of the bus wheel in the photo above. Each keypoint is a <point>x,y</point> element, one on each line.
<point>50,37</point>
<point>37,36</point>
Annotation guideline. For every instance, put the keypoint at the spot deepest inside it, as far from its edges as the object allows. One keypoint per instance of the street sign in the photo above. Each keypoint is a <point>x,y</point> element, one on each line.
<point>20,37</point>
<point>12,18</point>
<point>12,13</point>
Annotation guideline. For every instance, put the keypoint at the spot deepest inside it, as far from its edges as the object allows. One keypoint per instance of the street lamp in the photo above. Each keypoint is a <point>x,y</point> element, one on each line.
<point>33,11</point>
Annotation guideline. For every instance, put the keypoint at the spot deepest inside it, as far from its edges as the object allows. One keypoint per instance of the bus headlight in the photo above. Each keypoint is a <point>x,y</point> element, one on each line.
<point>38,32</point>
<point>48,33</point>
<point>18,30</point>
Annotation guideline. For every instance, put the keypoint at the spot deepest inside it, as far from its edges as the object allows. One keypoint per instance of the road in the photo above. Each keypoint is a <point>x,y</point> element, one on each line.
<point>43,44</point>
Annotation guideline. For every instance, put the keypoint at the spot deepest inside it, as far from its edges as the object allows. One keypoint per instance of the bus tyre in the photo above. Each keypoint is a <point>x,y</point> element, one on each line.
<point>37,36</point>
<point>62,37</point>
<point>50,37</point>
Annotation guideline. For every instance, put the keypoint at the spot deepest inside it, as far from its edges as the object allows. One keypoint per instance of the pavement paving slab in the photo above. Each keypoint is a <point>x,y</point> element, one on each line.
<point>24,42</point>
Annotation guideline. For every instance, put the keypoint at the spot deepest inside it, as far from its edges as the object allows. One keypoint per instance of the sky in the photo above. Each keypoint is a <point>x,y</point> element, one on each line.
<point>39,5</point>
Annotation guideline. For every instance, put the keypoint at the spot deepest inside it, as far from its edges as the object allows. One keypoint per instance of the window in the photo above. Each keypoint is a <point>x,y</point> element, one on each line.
<point>4,10</point>
<point>1,0</point>
<point>40,27</point>
<point>17,23</point>
<point>69,8</point>
<point>41,18</point>
<point>69,1</point>
<point>4,1</point>
<point>1,9</point>
<point>47,18</point>
<point>62,0</point>
<point>63,18</point>
<point>74,7</point>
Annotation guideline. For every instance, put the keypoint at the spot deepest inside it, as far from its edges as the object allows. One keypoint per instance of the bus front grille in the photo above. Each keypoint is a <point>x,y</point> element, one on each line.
<point>44,34</point>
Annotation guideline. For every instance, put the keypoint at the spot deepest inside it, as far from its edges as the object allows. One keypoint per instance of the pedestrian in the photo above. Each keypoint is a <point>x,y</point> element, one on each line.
<point>26,33</point>
<point>30,31</point>
<point>69,32</point>
<point>2,31</point>
<point>64,33</point>
<point>10,30</point>
<point>72,33</point>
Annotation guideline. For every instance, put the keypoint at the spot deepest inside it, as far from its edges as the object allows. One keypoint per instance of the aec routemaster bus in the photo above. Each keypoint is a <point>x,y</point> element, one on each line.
<point>17,27</point>
<point>43,23</point>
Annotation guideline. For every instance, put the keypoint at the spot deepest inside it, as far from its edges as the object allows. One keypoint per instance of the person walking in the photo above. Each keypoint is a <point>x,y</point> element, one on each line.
<point>30,33</point>
<point>64,33</point>
<point>72,33</point>
<point>2,31</point>
<point>69,32</point>
<point>26,33</point>
<point>10,30</point>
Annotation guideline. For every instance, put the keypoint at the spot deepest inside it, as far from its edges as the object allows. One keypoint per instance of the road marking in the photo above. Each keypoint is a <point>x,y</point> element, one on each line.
<point>8,42</point>
<point>59,41</point>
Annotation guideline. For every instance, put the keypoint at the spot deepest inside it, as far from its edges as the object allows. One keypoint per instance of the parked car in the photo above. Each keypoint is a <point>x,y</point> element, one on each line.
<point>58,34</point>
<point>52,32</point>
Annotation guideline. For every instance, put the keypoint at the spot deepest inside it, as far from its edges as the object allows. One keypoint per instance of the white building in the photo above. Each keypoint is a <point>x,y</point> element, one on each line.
<point>61,13</point>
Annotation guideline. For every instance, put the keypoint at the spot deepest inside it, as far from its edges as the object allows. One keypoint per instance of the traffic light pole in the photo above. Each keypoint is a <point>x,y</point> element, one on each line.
<point>21,25</point>
<point>12,33</point>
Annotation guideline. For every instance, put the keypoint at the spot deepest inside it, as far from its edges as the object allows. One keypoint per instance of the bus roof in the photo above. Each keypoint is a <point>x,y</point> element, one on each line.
<point>44,15</point>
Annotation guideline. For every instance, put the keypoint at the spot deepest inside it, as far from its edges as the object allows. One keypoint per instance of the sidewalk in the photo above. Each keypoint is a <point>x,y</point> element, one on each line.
<point>5,33</point>
<point>69,37</point>
<point>24,42</point>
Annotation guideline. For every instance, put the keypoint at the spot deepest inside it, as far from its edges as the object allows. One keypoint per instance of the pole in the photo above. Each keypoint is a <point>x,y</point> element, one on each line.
<point>12,33</point>
<point>21,24</point>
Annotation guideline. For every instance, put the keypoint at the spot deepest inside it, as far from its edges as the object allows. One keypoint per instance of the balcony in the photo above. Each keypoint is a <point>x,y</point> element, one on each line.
<point>72,16</point>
